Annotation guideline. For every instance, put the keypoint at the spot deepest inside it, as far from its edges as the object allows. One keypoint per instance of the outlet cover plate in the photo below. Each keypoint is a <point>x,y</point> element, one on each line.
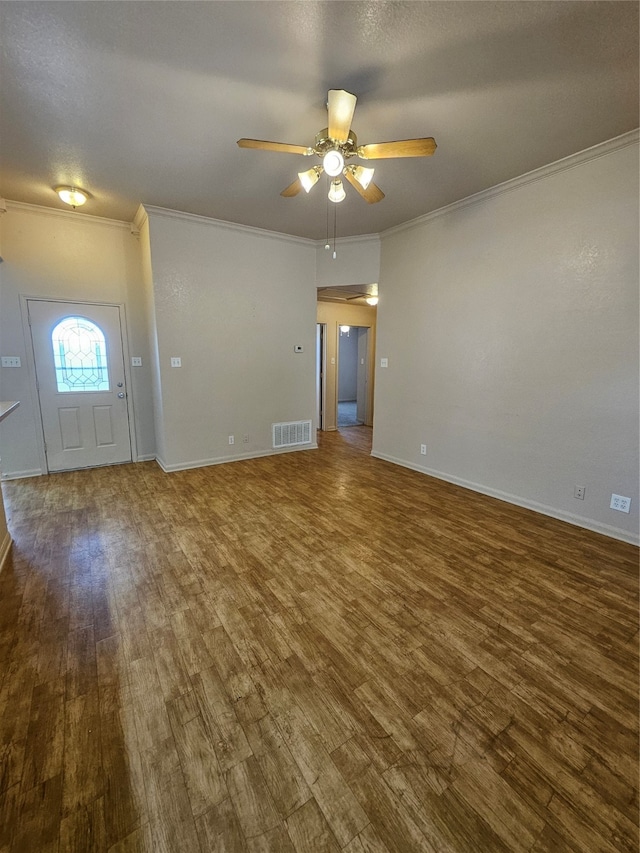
<point>620,503</point>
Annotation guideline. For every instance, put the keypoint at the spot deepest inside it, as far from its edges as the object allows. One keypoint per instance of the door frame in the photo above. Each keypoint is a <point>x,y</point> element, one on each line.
<point>321,374</point>
<point>31,368</point>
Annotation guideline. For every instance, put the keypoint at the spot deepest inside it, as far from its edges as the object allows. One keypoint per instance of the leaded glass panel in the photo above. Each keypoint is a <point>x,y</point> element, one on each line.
<point>80,356</point>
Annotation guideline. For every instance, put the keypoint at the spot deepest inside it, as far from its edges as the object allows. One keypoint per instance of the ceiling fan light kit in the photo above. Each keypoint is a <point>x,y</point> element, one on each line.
<point>336,144</point>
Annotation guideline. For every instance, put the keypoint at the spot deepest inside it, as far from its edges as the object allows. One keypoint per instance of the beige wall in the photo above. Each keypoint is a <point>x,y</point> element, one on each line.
<point>232,303</point>
<point>49,253</point>
<point>335,314</point>
<point>511,329</point>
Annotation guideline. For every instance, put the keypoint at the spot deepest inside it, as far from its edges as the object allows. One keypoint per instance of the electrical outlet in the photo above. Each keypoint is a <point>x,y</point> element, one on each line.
<point>10,361</point>
<point>423,449</point>
<point>578,492</point>
<point>176,361</point>
<point>245,438</point>
<point>620,503</point>
<point>136,361</point>
<point>232,440</point>
<point>384,362</point>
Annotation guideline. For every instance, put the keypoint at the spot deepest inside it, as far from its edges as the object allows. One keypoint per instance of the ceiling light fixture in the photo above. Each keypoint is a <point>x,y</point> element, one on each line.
<point>372,300</point>
<point>333,163</point>
<point>336,191</point>
<point>72,196</point>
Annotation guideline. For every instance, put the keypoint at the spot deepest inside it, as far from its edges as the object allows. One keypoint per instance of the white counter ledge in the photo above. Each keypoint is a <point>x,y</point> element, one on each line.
<point>7,408</point>
<point>5,536</point>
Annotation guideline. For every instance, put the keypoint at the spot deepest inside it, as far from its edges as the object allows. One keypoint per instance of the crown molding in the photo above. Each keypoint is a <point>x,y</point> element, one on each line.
<point>625,140</point>
<point>140,219</point>
<point>41,210</point>
<point>344,241</point>
<point>229,226</point>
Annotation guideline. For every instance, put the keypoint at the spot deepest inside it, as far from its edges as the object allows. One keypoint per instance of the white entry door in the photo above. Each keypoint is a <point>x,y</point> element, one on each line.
<point>79,364</point>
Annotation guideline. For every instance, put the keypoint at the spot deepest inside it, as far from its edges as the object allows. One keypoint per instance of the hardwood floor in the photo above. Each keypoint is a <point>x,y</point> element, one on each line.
<point>311,652</point>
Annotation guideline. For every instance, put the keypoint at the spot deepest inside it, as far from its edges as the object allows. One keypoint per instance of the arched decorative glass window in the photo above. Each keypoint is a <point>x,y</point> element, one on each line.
<point>80,356</point>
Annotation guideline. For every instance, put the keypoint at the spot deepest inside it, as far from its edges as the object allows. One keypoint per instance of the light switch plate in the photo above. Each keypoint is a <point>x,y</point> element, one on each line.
<point>176,361</point>
<point>10,361</point>
<point>384,362</point>
<point>136,361</point>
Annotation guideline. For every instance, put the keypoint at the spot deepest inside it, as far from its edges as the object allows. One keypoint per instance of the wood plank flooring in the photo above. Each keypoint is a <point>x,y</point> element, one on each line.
<point>312,652</point>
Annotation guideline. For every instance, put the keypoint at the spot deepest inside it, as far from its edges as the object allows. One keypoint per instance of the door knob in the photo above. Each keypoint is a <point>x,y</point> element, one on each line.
<point>121,395</point>
<point>119,384</point>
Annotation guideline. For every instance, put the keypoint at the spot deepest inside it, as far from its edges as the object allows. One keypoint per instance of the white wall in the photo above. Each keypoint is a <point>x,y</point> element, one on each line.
<point>232,303</point>
<point>70,256</point>
<point>357,262</point>
<point>511,329</point>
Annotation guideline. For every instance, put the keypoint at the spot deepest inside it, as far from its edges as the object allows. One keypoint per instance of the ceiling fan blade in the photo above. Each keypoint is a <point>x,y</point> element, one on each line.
<point>283,147</point>
<point>292,189</point>
<point>371,194</point>
<point>341,106</point>
<point>402,148</point>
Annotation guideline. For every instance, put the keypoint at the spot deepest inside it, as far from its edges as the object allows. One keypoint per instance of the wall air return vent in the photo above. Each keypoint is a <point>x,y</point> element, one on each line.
<point>290,434</point>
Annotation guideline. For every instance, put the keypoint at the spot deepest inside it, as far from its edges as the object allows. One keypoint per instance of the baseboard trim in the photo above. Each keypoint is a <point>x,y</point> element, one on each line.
<point>220,460</point>
<point>22,475</point>
<point>4,549</point>
<point>516,500</point>
<point>146,457</point>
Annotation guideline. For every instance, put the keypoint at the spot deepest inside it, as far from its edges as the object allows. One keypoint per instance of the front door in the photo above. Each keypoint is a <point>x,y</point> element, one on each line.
<point>79,365</point>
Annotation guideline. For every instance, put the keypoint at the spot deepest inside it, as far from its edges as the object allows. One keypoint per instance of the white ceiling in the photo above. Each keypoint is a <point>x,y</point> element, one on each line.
<point>144,101</point>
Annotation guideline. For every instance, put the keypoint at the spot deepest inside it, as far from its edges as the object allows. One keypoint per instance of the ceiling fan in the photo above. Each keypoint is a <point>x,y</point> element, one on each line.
<point>337,144</point>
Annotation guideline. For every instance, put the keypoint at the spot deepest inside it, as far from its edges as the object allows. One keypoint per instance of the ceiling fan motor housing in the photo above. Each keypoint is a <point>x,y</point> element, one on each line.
<point>324,143</point>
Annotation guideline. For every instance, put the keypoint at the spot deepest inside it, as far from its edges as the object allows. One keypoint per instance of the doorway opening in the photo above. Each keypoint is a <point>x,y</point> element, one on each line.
<point>353,375</point>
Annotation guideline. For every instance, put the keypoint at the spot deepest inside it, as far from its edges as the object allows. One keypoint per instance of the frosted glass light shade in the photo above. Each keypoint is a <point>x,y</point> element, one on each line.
<point>336,191</point>
<point>72,195</point>
<point>372,300</point>
<point>309,178</point>
<point>363,175</point>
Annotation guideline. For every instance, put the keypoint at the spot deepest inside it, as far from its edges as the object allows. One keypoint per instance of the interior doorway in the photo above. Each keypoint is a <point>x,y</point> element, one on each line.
<point>353,375</point>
